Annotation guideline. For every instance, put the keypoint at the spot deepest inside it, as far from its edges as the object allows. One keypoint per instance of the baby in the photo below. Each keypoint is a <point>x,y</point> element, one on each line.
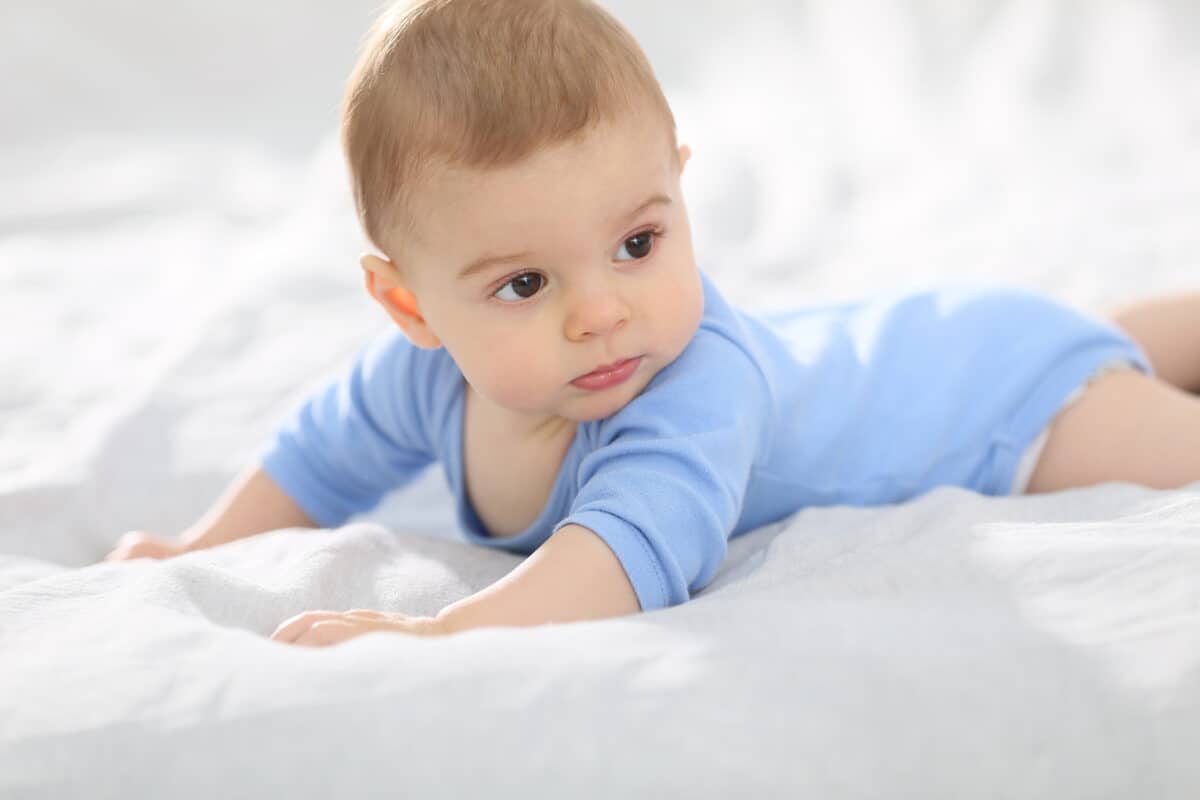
<point>594,401</point>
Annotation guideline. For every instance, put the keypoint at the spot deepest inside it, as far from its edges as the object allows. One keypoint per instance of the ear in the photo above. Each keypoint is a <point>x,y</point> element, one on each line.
<point>384,284</point>
<point>685,153</point>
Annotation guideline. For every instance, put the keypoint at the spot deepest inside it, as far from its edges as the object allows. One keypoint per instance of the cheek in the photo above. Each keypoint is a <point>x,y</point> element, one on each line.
<point>510,371</point>
<point>687,311</point>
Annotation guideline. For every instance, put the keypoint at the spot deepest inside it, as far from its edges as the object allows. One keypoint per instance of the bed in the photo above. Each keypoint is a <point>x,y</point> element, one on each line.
<point>178,267</point>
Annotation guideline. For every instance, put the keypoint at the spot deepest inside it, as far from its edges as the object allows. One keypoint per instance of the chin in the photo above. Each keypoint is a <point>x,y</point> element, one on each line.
<point>606,404</point>
<point>594,408</point>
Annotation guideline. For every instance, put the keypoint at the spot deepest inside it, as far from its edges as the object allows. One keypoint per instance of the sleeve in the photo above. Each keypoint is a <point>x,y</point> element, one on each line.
<point>358,437</point>
<point>666,486</point>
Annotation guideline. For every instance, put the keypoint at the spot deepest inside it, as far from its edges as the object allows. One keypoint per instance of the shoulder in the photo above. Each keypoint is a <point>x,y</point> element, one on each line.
<point>411,379</point>
<point>391,356</point>
<point>723,356</point>
<point>717,381</point>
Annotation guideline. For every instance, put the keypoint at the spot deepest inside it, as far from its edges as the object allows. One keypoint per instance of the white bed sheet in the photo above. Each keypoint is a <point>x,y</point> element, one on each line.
<point>177,266</point>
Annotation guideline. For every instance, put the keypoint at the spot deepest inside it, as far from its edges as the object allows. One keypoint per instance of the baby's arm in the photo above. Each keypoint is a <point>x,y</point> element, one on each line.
<point>252,504</point>
<point>338,452</point>
<point>573,576</point>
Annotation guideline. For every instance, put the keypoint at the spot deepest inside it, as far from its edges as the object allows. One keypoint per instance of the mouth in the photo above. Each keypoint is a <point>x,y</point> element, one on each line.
<point>608,375</point>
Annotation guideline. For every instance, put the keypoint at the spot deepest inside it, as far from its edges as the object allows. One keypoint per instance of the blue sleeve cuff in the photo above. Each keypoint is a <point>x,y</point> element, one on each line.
<point>637,557</point>
<point>312,498</point>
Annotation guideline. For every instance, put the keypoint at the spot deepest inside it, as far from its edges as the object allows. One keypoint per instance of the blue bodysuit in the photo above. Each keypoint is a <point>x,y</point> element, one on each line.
<point>863,403</point>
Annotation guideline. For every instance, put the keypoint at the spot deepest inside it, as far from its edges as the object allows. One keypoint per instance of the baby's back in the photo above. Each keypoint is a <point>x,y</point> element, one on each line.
<point>881,400</point>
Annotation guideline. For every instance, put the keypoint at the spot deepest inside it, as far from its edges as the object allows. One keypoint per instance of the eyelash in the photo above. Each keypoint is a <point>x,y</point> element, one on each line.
<point>656,234</point>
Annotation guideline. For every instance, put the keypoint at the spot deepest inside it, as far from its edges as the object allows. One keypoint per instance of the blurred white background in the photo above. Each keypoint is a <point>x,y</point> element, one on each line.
<point>178,251</point>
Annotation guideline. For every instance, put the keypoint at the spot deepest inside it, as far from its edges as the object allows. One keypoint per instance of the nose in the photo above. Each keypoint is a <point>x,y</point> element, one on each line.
<point>597,312</point>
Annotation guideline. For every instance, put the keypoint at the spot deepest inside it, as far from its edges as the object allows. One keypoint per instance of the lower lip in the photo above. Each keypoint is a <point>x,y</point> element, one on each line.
<point>595,381</point>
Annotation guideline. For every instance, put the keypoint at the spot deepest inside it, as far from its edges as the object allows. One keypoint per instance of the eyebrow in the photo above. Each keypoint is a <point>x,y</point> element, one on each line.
<point>486,261</point>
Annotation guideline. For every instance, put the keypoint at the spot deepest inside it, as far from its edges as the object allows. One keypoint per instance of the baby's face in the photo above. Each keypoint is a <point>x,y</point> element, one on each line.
<point>535,275</point>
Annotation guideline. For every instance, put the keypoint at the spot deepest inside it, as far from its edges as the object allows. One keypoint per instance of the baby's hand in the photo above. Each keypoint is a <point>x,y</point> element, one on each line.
<point>139,544</point>
<point>325,628</point>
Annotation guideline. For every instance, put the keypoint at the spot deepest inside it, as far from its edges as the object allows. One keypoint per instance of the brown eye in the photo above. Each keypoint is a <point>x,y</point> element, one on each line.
<point>638,246</point>
<point>524,286</point>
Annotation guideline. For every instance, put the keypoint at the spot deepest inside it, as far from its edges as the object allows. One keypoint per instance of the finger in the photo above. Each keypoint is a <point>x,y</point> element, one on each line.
<point>393,621</point>
<point>293,627</point>
<point>123,554</point>
<point>368,613</point>
<point>328,632</point>
<point>130,538</point>
<point>141,551</point>
<point>155,550</point>
<point>129,546</point>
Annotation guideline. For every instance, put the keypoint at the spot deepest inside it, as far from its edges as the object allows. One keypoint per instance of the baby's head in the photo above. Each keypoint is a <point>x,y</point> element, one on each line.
<point>516,162</point>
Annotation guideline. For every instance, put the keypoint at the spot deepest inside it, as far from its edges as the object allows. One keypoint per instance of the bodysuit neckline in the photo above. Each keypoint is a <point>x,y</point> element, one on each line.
<point>554,508</point>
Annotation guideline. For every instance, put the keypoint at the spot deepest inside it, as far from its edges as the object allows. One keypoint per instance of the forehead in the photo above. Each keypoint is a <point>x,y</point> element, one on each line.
<point>570,187</point>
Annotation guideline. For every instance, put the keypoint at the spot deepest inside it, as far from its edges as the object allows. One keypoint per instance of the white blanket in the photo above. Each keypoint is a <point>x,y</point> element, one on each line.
<point>949,647</point>
<point>177,266</point>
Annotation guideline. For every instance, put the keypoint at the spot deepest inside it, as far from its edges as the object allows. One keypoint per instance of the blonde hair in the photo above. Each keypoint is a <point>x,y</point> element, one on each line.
<point>479,84</point>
